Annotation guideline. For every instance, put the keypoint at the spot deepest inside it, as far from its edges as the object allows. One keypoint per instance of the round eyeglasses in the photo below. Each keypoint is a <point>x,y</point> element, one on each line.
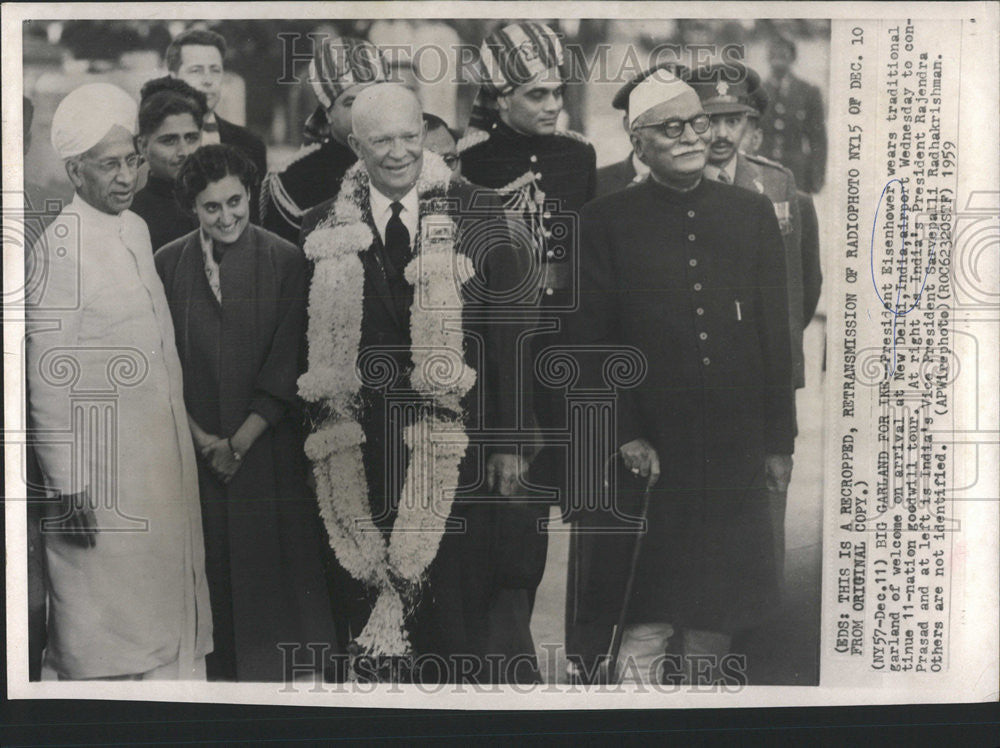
<point>674,128</point>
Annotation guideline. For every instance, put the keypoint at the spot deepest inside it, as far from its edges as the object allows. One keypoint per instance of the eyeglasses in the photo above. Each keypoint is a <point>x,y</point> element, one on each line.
<point>674,128</point>
<point>451,160</point>
<point>116,165</point>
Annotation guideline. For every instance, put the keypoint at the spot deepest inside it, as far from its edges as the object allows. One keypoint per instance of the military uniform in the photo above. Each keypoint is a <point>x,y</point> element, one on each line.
<point>777,183</point>
<point>546,179</point>
<point>312,177</point>
<point>794,130</point>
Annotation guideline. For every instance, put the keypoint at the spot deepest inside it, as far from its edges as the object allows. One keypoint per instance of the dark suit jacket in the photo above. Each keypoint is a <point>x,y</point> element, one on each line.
<point>615,177</point>
<point>246,141</point>
<point>452,615</point>
<point>254,149</point>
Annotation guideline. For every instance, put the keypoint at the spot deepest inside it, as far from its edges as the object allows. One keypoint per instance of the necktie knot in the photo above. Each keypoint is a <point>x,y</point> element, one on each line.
<point>396,208</point>
<point>724,177</point>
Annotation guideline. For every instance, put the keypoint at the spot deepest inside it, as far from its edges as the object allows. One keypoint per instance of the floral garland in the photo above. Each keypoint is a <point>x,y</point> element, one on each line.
<point>393,570</point>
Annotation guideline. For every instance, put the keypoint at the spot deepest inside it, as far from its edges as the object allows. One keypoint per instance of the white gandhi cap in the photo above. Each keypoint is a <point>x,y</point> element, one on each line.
<point>661,86</point>
<point>87,114</point>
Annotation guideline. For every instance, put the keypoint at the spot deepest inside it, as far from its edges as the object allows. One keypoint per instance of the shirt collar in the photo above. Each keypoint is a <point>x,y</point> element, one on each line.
<point>382,210</point>
<point>712,171</point>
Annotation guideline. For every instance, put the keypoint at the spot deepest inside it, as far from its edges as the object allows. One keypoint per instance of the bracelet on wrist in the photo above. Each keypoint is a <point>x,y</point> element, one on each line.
<point>236,454</point>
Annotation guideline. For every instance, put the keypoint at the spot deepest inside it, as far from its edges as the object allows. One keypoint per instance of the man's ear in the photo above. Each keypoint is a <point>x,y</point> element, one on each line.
<point>73,172</point>
<point>625,126</point>
<point>354,143</point>
<point>637,145</point>
<point>141,143</point>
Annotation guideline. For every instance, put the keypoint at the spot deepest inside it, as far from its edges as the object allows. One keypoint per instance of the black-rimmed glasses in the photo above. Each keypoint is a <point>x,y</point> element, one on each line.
<point>674,128</point>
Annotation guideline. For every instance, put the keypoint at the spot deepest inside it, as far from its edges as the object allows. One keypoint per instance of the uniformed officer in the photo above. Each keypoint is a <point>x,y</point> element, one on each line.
<point>630,170</point>
<point>691,273</point>
<point>794,129</point>
<point>812,273</point>
<point>724,90</point>
<point>545,176</point>
<point>340,69</point>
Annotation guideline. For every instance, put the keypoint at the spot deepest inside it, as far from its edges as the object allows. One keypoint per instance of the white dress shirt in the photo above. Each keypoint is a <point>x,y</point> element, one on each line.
<point>409,215</point>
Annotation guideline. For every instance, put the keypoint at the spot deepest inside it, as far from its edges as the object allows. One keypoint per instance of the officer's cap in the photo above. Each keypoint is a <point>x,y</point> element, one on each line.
<point>725,87</point>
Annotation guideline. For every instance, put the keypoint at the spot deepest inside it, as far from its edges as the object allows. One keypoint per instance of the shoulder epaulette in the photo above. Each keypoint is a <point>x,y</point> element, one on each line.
<point>473,137</point>
<point>573,135</point>
<point>763,161</point>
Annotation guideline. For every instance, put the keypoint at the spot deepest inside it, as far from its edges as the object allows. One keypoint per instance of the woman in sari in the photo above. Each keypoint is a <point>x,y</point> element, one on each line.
<point>237,295</point>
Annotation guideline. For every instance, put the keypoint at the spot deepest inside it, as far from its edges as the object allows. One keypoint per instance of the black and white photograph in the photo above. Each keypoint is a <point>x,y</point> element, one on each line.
<point>467,355</point>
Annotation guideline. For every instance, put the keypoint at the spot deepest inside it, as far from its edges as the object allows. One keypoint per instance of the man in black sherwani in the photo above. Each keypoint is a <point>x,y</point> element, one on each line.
<point>691,273</point>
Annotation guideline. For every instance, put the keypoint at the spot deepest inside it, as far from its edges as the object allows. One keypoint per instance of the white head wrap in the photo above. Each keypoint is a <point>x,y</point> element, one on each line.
<point>658,88</point>
<point>87,114</point>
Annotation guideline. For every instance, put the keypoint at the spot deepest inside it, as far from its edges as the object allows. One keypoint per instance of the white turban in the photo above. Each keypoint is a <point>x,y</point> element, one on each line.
<point>660,87</point>
<point>87,114</point>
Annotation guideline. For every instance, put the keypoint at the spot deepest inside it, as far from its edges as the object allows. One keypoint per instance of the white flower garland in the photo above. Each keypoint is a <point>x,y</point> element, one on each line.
<point>436,443</point>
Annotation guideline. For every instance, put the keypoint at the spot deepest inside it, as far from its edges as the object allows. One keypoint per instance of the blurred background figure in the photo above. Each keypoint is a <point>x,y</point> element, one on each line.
<point>171,114</point>
<point>793,129</point>
<point>197,57</point>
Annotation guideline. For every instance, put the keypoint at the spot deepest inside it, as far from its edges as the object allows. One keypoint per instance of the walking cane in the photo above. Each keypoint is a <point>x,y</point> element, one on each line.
<point>611,659</point>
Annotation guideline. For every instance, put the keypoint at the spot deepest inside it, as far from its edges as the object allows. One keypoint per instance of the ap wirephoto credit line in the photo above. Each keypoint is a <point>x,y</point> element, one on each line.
<point>411,356</point>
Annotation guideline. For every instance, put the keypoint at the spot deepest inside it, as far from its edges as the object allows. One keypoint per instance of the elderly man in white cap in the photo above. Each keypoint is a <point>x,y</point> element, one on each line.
<point>691,273</point>
<point>127,592</point>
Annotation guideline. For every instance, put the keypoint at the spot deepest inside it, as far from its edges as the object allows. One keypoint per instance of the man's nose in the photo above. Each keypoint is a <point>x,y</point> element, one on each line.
<point>689,135</point>
<point>398,149</point>
<point>126,174</point>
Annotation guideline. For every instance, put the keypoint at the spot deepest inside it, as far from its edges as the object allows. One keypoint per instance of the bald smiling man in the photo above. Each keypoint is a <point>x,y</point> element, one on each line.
<point>394,186</point>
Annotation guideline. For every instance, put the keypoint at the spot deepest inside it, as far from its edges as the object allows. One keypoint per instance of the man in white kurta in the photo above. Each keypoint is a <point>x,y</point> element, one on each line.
<point>128,596</point>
